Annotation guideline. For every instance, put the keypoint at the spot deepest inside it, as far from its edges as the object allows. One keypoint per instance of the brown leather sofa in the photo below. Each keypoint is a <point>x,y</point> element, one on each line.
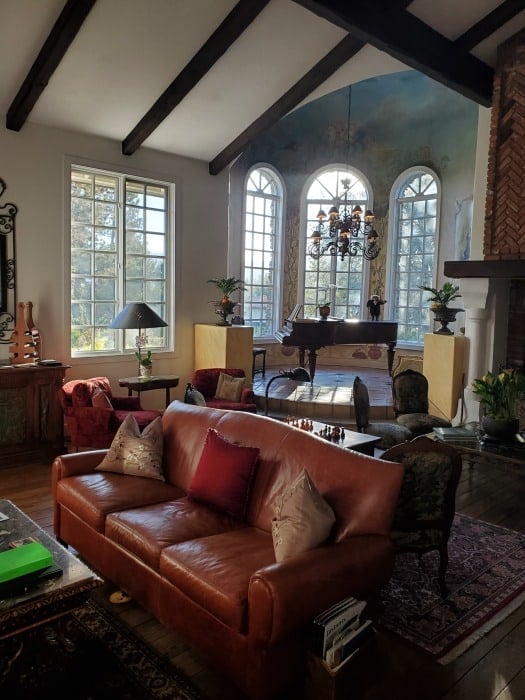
<point>214,578</point>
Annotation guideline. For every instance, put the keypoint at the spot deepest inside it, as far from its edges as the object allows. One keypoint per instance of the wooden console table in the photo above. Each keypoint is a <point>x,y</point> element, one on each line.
<point>138,384</point>
<point>31,422</point>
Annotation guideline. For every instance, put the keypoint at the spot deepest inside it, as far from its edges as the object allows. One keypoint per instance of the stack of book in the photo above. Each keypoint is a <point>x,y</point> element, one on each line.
<point>460,435</point>
<point>340,631</point>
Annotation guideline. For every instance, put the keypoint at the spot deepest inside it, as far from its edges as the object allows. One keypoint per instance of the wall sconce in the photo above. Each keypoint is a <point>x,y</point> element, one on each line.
<point>299,374</point>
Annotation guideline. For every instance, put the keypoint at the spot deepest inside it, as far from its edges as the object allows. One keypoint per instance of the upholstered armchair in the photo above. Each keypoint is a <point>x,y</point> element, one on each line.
<point>93,414</point>
<point>224,388</point>
<point>410,401</point>
<point>427,501</point>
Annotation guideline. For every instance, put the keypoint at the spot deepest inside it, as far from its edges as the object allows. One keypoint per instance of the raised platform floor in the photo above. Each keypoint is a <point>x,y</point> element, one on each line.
<point>329,398</point>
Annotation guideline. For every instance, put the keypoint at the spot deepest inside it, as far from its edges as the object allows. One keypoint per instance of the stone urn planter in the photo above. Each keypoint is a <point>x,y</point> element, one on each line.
<point>444,316</point>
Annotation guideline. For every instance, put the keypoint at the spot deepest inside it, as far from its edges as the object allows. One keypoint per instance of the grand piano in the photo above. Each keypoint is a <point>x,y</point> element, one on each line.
<point>310,335</point>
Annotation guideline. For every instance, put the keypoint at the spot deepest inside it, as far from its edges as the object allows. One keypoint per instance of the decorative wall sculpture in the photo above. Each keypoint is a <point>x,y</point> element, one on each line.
<point>7,267</point>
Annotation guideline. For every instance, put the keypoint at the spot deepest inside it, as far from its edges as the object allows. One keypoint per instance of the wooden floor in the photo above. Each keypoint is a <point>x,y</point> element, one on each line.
<point>493,668</point>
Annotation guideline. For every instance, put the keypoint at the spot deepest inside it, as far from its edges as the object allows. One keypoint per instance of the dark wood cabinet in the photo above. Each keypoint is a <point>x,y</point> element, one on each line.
<point>31,423</point>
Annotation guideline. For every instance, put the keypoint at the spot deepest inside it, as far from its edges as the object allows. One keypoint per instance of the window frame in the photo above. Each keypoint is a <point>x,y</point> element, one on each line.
<point>124,340</point>
<point>307,226</point>
<point>277,269</point>
<point>392,271</point>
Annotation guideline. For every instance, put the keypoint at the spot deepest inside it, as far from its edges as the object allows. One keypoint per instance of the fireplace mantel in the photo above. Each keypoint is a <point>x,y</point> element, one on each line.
<point>493,269</point>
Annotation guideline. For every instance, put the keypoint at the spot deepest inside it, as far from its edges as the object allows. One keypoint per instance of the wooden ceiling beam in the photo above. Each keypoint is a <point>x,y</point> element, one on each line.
<point>489,24</point>
<point>339,55</point>
<point>405,37</point>
<point>218,43</point>
<point>55,46</point>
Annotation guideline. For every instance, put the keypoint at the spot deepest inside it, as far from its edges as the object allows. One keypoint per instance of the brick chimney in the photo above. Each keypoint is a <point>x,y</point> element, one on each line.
<point>504,234</point>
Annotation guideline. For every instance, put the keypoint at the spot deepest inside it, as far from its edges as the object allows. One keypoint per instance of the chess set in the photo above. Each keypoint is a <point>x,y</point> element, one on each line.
<point>333,433</point>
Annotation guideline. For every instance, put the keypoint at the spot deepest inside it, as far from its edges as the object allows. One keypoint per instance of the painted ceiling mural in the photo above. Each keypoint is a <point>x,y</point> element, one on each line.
<point>381,127</point>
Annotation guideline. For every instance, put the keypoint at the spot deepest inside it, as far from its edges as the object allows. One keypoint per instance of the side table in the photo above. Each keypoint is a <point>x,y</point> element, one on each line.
<point>138,384</point>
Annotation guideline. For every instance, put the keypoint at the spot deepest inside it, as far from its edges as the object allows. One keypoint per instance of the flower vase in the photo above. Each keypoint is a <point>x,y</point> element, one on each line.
<point>146,371</point>
<point>324,312</point>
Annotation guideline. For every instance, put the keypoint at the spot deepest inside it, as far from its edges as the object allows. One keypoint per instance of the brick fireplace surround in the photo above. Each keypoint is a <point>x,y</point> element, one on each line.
<point>493,289</point>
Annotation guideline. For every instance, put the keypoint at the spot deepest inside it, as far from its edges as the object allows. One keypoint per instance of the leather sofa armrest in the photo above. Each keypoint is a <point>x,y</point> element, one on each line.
<point>76,463</point>
<point>286,596</point>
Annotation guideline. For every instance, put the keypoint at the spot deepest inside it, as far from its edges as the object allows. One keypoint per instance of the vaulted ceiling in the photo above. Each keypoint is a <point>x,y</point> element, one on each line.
<point>202,78</point>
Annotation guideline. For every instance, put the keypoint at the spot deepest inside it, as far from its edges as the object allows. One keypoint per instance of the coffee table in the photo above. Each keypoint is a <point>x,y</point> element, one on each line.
<point>52,598</point>
<point>359,442</point>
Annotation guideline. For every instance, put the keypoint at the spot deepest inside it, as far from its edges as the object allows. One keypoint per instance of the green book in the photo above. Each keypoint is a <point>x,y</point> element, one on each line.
<point>23,560</point>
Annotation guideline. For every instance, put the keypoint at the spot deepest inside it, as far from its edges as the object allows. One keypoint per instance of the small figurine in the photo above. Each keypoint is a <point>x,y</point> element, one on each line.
<point>374,306</point>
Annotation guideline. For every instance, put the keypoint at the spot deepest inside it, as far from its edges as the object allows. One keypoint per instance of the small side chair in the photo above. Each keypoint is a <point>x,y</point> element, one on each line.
<point>390,433</point>
<point>427,500</point>
<point>410,401</point>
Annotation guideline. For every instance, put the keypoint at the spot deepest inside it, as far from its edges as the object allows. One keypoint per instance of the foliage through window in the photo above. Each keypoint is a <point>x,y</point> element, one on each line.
<point>262,243</point>
<point>413,252</point>
<point>330,279</point>
<point>119,254</point>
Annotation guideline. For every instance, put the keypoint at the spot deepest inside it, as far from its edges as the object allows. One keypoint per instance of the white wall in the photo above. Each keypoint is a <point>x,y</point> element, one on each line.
<point>33,167</point>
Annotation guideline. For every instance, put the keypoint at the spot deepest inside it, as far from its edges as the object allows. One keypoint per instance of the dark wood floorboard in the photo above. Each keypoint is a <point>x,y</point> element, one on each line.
<point>494,668</point>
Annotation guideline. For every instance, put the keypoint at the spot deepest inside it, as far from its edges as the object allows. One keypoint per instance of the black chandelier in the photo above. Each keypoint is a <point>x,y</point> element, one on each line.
<point>345,233</point>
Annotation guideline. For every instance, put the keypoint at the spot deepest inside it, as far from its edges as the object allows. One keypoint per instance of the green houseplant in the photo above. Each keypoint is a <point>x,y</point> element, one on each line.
<point>440,299</point>
<point>499,394</point>
<point>225,306</point>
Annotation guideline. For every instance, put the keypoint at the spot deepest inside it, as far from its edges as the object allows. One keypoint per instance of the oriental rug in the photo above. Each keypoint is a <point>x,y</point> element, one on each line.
<point>89,655</point>
<point>485,581</point>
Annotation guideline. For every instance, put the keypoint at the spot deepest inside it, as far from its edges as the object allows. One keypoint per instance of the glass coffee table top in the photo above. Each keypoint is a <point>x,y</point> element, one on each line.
<point>48,599</point>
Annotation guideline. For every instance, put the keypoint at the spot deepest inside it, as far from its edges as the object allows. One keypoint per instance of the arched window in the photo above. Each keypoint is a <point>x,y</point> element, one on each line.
<point>262,251</point>
<point>330,279</point>
<point>415,206</point>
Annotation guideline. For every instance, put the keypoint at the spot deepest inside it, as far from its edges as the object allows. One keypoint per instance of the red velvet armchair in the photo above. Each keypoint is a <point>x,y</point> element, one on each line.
<point>207,380</point>
<point>93,414</point>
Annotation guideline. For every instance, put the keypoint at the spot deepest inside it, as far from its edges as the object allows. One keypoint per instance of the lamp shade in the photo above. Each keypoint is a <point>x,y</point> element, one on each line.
<point>137,315</point>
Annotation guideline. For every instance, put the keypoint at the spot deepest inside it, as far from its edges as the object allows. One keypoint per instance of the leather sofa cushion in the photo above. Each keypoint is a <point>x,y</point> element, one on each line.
<point>92,496</point>
<point>215,571</point>
<point>147,530</point>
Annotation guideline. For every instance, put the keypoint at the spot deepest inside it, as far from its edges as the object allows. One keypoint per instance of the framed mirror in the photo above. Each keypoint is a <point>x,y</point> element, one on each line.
<point>7,267</point>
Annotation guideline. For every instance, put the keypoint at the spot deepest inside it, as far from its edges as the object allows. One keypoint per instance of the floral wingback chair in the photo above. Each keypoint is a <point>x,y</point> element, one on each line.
<point>93,414</point>
<point>390,433</point>
<point>410,399</point>
<point>427,500</point>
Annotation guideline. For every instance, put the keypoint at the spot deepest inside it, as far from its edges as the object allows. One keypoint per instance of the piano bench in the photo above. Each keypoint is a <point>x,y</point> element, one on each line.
<point>262,368</point>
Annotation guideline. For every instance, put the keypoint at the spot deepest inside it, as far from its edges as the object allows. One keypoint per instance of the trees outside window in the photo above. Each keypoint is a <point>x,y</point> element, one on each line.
<point>262,248</point>
<point>415,207</point>
<point>120,243</point>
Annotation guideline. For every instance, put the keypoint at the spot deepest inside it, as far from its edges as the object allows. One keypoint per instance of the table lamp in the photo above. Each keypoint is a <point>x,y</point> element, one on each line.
<point>137,315</point>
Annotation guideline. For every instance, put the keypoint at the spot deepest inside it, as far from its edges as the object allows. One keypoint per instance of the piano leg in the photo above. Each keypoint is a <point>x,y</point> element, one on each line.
<point>312,360</point>
<point>390,354</point>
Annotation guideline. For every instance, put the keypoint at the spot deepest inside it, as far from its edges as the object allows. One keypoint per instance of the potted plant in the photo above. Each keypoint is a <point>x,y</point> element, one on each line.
<point>225,306</point>
<point>440,299</point>
<point>499,394</point>
<point>145,363</point>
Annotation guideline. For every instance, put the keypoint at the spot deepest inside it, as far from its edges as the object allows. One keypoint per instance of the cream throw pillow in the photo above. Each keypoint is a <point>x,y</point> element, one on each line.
<point>229,388</point>
<point>303,519</point>
<point>134,454</point>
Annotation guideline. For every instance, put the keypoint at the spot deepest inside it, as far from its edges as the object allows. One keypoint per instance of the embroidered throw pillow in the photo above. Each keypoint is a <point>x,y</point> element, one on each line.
<point>133,453</point>
<point>224,475</point>
<point>229,388</point>
<point>303,519</point>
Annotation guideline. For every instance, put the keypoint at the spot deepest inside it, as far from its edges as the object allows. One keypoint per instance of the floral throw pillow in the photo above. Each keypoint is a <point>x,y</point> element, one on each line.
<point>229,388</point>
<point>303,519</point>
<point>133,453</point>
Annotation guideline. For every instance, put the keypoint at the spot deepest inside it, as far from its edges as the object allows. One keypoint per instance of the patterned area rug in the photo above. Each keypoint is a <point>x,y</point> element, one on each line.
<point>89,655</point>
<point>485,580</point>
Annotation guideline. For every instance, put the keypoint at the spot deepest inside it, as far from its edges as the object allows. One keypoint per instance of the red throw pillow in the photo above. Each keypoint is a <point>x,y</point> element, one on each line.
<point>224,475</point>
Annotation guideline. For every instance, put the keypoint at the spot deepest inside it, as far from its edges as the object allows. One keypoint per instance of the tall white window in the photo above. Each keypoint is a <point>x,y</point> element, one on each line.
<point>415,203</point>
<point>262,246</point>
<point>330,279</point>
<point>120,243</point>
